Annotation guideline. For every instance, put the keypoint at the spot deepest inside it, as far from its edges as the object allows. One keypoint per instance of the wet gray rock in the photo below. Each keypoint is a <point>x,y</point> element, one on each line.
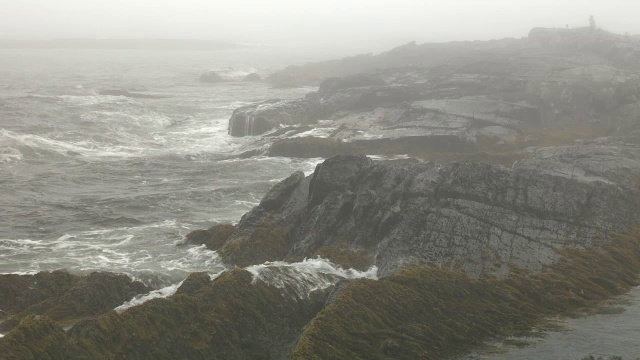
<point>485,218</point>
<point>279,194</point>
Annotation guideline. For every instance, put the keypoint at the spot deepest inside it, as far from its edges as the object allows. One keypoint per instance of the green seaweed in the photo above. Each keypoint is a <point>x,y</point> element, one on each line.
<point>213,238</point>
<point>266,243</point>
<point>230,317</point>
<point>431,313</point>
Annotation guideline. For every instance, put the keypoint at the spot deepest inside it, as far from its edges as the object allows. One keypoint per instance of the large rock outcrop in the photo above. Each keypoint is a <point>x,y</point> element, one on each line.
<point>486,217</point>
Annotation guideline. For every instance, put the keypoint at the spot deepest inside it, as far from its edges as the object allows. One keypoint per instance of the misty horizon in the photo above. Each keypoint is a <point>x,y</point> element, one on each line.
<point>365,26</point>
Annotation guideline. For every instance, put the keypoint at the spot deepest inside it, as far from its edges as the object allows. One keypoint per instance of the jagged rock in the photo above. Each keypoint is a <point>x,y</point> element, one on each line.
<point>210,77</point>
<point>478,214</point>
<point>258,119</point>
<point>253,77</point>
<point>279,194</point>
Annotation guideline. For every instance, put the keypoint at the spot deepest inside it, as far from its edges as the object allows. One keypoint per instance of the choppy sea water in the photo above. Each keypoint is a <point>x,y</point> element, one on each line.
<point>111,183</point>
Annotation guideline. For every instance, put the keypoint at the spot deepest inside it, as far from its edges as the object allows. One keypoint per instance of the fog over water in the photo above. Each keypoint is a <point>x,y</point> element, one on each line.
<point>339,26</point>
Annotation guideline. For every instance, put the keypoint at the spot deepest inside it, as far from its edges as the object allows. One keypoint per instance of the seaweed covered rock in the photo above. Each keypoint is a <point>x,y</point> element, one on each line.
<point>213,238</point>
<point>64,297</point>
<point>231,317</point>
<point>434,313</point>
<point>267,242</point>
<point>17,292</point>
<point>39,338</point>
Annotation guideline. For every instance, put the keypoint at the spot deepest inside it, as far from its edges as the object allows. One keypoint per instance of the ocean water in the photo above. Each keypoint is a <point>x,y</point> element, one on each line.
<point>111,183</point>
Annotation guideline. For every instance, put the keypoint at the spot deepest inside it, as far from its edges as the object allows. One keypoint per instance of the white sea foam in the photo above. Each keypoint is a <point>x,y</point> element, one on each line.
<point>319,132</point>
<point>9,154</point>
<point>156,294</point>
<point>64,148</point>
<point>305,277</point>
<point>389,157</point>
<point>299,279</point>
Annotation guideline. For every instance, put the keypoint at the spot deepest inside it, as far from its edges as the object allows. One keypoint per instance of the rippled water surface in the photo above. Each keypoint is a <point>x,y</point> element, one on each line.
<point>93,182</point>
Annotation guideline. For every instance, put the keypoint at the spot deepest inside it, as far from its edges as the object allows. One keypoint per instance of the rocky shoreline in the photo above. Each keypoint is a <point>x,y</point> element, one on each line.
<point>515,198</point>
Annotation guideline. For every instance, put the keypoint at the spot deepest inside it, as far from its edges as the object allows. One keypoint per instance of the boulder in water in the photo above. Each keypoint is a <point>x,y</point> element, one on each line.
<point>213,238</point>
<point>210,77</point>
<point>253,77</point>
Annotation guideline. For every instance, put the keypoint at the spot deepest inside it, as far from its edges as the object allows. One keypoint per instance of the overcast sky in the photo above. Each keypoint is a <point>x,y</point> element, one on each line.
<point>375,22</point>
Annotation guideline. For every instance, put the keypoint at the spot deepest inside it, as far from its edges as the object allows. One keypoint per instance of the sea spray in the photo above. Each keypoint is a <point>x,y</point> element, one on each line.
<point>301,278</point>
<point>306,276</point>
<point>164,292</point>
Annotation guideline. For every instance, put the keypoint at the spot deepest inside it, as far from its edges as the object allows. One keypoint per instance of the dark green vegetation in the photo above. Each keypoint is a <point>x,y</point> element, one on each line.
<point>431,313</point>
<point>63,297</point>
<point>267,243</point>
<point>228,318</point>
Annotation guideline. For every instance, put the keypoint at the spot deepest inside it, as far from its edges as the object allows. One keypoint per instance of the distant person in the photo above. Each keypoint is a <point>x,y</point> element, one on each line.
<point>592,22</point>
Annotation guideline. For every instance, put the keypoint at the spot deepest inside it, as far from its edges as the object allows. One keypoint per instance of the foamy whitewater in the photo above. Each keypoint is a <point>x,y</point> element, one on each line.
<point>111,183</point>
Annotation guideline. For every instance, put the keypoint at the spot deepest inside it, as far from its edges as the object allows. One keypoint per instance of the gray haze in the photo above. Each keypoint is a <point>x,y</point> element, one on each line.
<point>362,24</point>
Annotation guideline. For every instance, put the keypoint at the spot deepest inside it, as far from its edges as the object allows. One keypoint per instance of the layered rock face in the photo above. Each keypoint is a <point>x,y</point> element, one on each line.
<point>485,217</point>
